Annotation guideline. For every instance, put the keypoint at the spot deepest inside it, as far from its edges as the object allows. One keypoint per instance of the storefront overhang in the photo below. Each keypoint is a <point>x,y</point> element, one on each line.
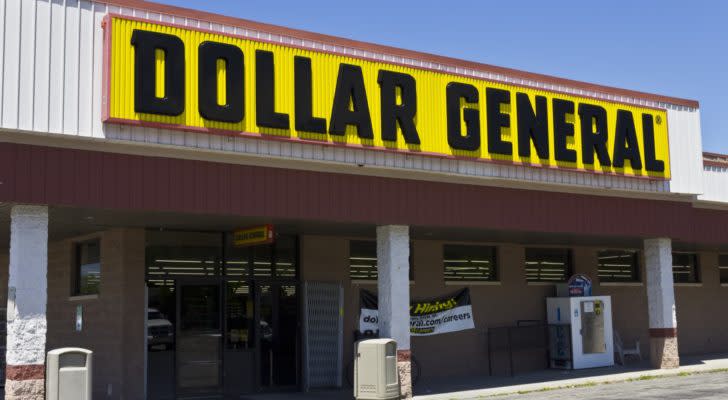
<point>98,180</point>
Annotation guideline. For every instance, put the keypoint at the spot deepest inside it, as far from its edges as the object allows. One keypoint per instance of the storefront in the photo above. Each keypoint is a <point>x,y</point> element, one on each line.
<point>205,299</point>
<point>205,201</point>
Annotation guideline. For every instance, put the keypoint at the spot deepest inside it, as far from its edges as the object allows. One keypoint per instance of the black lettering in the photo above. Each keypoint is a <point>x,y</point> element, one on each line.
<point>303,96</point>
<point>393,113</point>
<point>594,134</point>
<point>350,93</point>
<point>497,120</point>
<point>471,140</point>
<point>265,114</point>
<point>234,108</point>
<point>648,131</point>
<point>563,130</point>
<point>145,83</point>
<point>626,146</point>
<point>532,126</point>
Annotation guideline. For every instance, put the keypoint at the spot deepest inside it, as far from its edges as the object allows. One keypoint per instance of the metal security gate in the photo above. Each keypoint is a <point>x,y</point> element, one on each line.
<point>323,334</point>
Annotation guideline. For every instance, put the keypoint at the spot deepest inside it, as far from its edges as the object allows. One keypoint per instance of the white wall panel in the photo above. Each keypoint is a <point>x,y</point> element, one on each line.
<point>686,151</point>
<point>71,74</point>
<point>54,86</point>
<point>26,73</point>
<point>715,184</point>
<point>58,67</point>
<point>11,63</point>
<point>42,66</point>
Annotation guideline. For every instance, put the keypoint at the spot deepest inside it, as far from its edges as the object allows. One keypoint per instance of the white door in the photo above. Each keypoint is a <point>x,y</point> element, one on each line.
<point>592,331</point>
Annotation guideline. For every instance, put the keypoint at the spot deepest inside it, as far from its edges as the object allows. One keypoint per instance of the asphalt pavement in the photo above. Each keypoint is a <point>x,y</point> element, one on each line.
<point>703,386</point>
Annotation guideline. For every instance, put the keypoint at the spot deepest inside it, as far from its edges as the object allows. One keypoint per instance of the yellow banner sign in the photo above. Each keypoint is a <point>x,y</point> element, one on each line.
<point>174,77</point>
<point>253,236</point>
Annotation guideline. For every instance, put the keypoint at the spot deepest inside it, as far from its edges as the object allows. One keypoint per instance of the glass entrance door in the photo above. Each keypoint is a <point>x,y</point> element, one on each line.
<point>240,333</point>
<point>199,337</point>
<point>278,335</point>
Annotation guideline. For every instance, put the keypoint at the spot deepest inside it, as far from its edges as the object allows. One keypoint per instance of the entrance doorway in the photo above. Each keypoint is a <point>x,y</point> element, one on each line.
<point>279,345</point>
<point>231,319</point>
<point>199,334</point>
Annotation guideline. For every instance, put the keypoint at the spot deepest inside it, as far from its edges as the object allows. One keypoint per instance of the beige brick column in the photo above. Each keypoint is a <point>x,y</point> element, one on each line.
<point>27,300</point>
<point>661,304</point>
<point>393,285</point>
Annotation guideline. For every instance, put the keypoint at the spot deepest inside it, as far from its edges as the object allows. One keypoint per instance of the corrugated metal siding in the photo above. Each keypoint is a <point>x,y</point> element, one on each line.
<point>51,82</point>
<point>715,182</point>
<point>686,151</point>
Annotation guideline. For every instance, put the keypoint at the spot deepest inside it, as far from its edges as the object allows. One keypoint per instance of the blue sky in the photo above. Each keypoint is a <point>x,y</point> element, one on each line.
<point>675,48</point>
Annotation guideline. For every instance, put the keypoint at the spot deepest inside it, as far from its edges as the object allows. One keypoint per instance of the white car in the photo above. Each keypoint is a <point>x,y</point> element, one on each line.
<point>160,332</point>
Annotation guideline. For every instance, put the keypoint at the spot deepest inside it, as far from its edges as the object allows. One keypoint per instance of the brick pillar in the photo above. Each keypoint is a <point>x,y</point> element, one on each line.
<point>393,285</point>
<point>661,304</point>
<point>27,297</point>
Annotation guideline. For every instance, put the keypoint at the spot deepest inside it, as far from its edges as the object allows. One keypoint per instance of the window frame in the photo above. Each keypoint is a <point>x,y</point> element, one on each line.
<point>569,265</point>
<point>494,265</point>
<point>77,248</point>
<point>636,271</point>
<point>723,266</point>
<point>696,268</point>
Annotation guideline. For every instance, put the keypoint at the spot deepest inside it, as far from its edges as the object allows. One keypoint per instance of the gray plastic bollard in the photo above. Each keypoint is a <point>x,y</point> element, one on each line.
<point>68,374</point>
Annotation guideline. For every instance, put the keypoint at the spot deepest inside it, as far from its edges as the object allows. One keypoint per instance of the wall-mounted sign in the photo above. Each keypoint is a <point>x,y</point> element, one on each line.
<point>579,285</point>
<point>253,236</point>
<point>176,77</point>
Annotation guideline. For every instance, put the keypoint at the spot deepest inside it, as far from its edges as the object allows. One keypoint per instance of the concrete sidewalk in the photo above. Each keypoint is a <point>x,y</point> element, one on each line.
<point>477,387</point>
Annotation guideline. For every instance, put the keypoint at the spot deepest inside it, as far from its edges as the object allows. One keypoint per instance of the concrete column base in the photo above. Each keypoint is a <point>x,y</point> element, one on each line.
<point>404,367</point>
<point>663,349</point>
<point>26,389</point>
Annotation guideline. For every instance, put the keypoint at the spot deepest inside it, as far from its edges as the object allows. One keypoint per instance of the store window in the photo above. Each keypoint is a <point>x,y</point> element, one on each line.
<point>723,267</point>
<point>469,263</point>
<point>548,264</point>
<point>183,254</point>
<point>174,254</point>
<point>270,261</point>
<point>87,268</point>
<point>685,268</point>
<point>363,260</point>
<point>618,265</point>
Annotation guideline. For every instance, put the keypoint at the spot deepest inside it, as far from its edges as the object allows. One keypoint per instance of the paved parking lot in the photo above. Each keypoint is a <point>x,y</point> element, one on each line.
<point>708,386</point>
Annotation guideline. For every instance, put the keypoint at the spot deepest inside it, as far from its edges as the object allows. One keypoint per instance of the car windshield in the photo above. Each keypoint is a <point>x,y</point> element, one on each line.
<point>154,315</point>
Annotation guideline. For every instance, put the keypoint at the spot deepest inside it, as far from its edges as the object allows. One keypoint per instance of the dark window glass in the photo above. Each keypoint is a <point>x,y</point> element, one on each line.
<point>685,268</point>
<point>363,260</point>
<point>262,261</point>
<point>723,267</point>
<point>88,268</point>
<point>182,254</point>
<point>618,265</point>
<point>276,260</point>
<point>237,259</point>
<point>285,257</point>
<point>239,314</point>
<point>469,263</point>
<point>548,265</point>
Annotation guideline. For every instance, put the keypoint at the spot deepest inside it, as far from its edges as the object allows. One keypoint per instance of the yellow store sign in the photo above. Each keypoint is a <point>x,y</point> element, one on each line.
<point>179,78</point>
<point>253,236</point>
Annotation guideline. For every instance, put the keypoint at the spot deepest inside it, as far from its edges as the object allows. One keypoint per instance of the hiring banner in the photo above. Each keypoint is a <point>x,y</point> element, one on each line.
<point>450,313</point>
